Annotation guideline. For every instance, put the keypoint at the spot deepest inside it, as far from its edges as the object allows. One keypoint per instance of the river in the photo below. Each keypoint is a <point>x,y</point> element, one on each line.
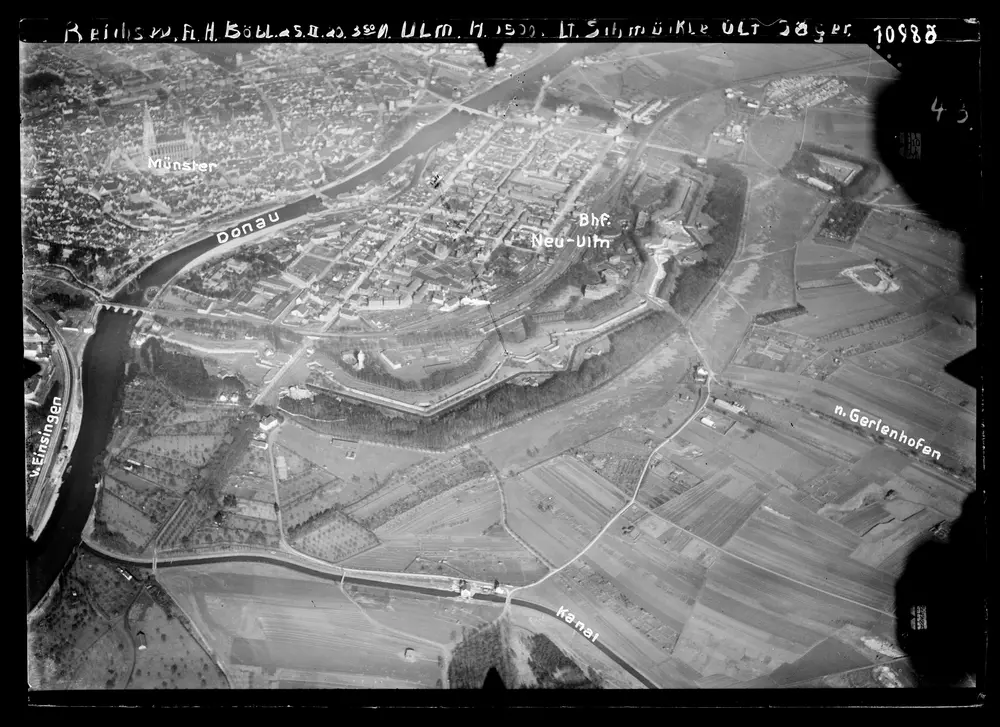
<point>108,349</point>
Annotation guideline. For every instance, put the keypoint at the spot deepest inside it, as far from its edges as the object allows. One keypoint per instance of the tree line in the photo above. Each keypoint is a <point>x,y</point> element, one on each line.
<point>781,314</point>
<point>498,407</point>
<point>805,161</point>
<point>845,219</point>
<point>182,373</point>
<point>724,204</point>
<point>64,301</point>
<point>230,329</point>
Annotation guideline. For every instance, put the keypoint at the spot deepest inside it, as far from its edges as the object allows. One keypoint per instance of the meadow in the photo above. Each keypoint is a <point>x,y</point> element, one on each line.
<point>576,489</point>
<point>838,305</point>
<point>748,622</point>
<point>455,533</point>
<point>434,619</point>
<point>173,658</point>
<point>486,557</point>
<point>620,626</point>
<point>559,506</point>
<point>785,538</point>
<point>192,449</point>
<point>692,126</point>
<point>155,501</point>
<point>525,623</point>
<point>413,485</point>
<point>644,387</point>
<point>771,141</point>
<point>899,403</point>
<point>715,509</point>
<point>302,487</point>
<point>853,131</point>
<point>823,262</point>
<point>268,618</point>
<point>372,462</point>
<point>320,499</point>
<point>920,361</point>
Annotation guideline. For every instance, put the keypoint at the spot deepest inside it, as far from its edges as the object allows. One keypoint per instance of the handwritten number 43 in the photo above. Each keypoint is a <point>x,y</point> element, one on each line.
<point>938,109</point>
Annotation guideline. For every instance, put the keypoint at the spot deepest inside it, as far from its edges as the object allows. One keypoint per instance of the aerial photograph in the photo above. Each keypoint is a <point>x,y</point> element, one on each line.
<point>604,366</point>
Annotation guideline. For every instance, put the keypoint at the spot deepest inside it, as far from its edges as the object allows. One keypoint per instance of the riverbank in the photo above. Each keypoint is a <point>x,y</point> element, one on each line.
<point>361,172</point>
<point>195,237</point>
<point>46,495</point>
<point>108,351</point>
<point>228,248</point>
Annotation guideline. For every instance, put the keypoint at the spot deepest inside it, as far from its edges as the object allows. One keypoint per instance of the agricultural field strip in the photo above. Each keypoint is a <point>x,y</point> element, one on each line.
<point>897,659</point>
<point>382,627</point>
<point>627,505</point>
<point>633,499</point>
<point>503,516</point>
<point>768,570</point>
<point>379,576</point>
<point>397,523</point>
<point>557,454</point>
<point>863,371</point>
<point>582,505</point>
<point>298,498</point>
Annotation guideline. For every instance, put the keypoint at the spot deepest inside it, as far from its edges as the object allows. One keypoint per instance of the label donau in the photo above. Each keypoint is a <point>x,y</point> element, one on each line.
<point>247,227</point>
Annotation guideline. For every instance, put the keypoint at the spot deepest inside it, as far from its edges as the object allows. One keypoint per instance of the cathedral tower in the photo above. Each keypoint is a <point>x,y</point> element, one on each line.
<point>148,133</point>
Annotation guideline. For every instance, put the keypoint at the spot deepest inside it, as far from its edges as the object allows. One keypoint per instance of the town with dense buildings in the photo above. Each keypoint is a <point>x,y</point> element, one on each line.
<point>539,367</point>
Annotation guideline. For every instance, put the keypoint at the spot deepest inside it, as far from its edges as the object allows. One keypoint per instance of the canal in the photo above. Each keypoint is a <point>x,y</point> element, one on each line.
<point>108,350</point>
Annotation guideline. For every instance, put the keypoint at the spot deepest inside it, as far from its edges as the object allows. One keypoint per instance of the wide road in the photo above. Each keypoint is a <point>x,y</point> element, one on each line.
<point>354,580</point>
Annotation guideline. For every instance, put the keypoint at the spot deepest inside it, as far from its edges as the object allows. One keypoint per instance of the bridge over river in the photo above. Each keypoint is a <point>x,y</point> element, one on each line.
<point>123,308</point>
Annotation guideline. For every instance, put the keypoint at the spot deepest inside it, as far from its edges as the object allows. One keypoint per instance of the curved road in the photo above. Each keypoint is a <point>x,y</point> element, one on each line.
<point>72,407</point>
<point>507,600</point>
<point>343,578</point>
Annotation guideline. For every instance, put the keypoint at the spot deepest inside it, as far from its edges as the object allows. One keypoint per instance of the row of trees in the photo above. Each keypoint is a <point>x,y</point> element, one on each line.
<point>724,204</point>
<point>230,329</point>
<point>493,409</point>
<point>316,521</point>
<point>781,314</point>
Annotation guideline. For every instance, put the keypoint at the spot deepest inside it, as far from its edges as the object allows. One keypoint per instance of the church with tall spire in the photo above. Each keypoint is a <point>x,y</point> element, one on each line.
<point>177,147</point>
<point>148,132</point>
